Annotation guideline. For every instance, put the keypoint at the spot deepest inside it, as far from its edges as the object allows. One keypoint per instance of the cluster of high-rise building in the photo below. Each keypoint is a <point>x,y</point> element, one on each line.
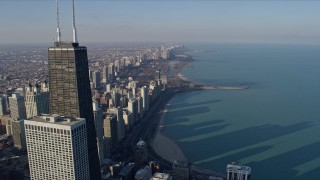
<point>21,105</point>
<point>118,107</point>
<point>67,132</point>
<point>71,125</point>
<point>101,73</point>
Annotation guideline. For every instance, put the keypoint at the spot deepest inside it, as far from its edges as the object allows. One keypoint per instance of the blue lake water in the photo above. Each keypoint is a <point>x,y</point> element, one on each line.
<point>273,127</point>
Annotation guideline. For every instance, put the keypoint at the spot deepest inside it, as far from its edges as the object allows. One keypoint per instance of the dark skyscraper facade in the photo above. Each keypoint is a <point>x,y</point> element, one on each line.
<point>70,92</point>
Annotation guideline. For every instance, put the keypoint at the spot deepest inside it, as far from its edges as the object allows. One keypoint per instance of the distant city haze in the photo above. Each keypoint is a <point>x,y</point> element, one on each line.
<point>33,21</point>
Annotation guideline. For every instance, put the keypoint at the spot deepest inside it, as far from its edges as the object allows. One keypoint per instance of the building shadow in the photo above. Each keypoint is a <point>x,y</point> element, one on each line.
<point>188,112</point>
<point>185,104</point>
<point>189,131</point>
<point>282,166</point>
<point>212,146</point>
<point>216,164</point>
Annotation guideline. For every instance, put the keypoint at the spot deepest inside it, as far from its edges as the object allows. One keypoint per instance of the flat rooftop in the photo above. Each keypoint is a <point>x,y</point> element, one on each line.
<point>161,175</point>
<point>237,167</point>
<point>57,119</point>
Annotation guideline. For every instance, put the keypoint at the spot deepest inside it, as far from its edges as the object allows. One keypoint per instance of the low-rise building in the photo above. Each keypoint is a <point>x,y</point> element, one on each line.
<point>161,176</point>
<point>238,172</point>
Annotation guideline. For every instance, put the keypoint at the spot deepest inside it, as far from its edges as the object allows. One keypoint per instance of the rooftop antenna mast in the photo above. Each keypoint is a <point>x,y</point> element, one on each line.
<point>58,24</point>
<point>75,38</point>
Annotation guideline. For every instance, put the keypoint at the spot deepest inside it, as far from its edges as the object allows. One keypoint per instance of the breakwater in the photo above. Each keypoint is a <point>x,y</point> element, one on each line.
<point>189,85</point>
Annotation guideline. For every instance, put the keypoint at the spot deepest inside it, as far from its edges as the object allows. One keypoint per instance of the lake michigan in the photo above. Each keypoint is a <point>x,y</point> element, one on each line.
<point>273,127</point>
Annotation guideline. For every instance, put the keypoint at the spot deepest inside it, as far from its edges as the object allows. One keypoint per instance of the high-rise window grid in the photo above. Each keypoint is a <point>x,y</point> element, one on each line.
<point>57,152</point>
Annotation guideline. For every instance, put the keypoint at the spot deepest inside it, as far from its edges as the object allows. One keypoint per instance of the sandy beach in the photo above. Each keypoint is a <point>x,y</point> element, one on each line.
<point>164,146</point>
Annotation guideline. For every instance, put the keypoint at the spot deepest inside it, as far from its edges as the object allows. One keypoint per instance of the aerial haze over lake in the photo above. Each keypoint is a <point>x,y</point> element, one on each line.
<point>273,127</point>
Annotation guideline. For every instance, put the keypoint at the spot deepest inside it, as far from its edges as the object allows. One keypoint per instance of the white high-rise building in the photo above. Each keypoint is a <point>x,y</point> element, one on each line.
<point>128,119</point>
<point>117,65</point>
<point>17,107</point>
<point>105,73</point>
<point>44,87</point>
<point>108,88</point>
<point>57,147</point>
<point>133,108</point>
<point>36,102</point>
<point>110,70</point>
<point>238,172</point>
<point>18,114</point>
<point>145,97</point>
<point>18,134</point>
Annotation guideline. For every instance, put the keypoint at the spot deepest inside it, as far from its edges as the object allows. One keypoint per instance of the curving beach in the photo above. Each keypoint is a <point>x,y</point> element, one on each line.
<point>163,145</point>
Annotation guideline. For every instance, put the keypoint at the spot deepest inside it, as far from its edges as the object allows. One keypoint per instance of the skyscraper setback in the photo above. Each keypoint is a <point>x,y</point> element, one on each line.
<point>69,85</point>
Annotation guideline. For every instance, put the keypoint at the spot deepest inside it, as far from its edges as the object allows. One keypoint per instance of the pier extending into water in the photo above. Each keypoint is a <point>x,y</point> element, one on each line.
<point>186,84</point>
<point>179,81</point>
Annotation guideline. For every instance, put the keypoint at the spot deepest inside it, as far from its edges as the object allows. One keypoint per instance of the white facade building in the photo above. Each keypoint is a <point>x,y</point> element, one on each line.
<point>133,108</point>
<point>105,74</point>
<point>161,176</point>
<point>57,147</point>
<point>36,102</point>
<point>238,172</point>
<point>17,107</point>
<point>111,70</point>
<point>145,97</point>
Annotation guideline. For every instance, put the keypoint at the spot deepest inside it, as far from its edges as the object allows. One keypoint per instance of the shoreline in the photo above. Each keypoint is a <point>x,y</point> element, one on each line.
<point>163,145</point>
<point>170,150</point>
<point>167,147</point>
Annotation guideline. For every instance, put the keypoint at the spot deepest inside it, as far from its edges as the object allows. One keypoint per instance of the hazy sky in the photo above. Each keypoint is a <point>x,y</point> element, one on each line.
<point>270,21</point>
